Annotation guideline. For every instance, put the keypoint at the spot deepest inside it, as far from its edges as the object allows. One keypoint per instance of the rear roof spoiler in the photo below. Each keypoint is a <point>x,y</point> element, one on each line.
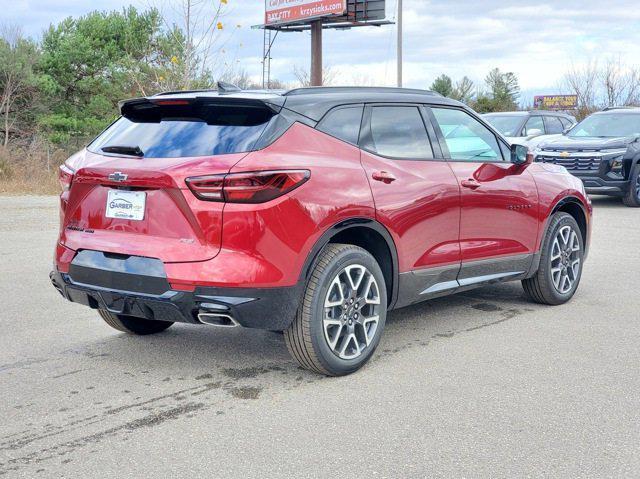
<point>132,108</point>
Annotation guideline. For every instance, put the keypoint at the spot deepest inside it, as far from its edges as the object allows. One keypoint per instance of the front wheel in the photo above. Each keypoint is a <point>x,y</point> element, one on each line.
<point>558,276</point>
<point>343,312</point>
<point>632,198</point>
<point>132,325</point>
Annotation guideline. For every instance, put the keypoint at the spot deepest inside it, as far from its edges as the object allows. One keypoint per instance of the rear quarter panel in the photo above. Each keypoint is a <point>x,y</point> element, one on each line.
<point>266,245</point>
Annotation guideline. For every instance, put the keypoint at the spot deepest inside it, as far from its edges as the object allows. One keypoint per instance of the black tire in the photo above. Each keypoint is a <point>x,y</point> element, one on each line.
<point>307,338</point>
<point>132,325</point>
<point>541,288</point>
<point>632,197</point>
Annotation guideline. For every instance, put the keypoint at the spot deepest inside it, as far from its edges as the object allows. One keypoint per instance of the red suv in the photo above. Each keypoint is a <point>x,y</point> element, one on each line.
<point>312,212</point>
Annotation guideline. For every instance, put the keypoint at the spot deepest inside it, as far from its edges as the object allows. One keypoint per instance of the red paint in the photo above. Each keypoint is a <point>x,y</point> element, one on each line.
<point>421,209</point>
<point>499,209</point>
<point>437,212</point>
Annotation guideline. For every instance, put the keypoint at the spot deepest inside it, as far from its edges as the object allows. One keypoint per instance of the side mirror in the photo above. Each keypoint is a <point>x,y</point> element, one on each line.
<point>520,155</point>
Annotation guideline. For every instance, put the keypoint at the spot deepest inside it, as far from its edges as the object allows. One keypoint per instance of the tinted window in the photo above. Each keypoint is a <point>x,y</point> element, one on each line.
<point>534,126</point>
<point>466,137</point>
<point>508,125</point>
<point>554,125</point>
<point>565,123</point>
<point>399,132</point>
<point>220,131</point>
<point>343,123</point>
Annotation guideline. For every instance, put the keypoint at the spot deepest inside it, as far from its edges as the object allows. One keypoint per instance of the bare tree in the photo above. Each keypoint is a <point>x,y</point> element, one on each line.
<point>304,77</point>
<point>615,82</point>
<point>17,58</point>
<point>195,25</point>
<point>463,90</point>
<point>583,82</point>
<point>632,96</point>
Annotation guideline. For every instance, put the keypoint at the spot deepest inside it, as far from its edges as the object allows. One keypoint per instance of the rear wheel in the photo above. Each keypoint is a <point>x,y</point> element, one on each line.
<point>133,325</point>
<point>632,198</point>
<point>342,316</point>
<point>558,276</point>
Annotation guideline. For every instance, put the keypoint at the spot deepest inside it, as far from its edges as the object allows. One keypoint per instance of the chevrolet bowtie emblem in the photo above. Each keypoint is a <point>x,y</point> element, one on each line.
<point>118,176</point>
<point>564,154</point>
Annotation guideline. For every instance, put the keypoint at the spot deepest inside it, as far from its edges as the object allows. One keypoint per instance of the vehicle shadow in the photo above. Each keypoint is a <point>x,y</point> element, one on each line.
<point>186,351</point>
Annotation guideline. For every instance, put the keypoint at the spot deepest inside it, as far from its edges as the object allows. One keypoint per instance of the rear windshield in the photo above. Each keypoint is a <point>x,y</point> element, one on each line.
<point>220,131</point>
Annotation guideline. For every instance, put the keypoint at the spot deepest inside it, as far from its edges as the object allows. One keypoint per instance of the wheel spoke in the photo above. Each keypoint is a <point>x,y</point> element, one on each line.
<point>370,324</point>
<point>336,335</point>
<point>556,276</point>
<point>345,343</point>
<point>575,243</point>
<point>371,295</point>
<point>556,252</point>
<point>360,272</point>
<point>336,287</point>
<point>565,234</point>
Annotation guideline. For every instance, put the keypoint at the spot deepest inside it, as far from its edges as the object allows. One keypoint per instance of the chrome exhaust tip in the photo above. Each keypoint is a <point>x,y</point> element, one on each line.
<point>218,319</point>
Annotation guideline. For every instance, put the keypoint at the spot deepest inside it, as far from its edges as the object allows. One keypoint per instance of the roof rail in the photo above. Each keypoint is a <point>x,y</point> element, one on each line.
<point>347,89</point>
<point>624,107</point>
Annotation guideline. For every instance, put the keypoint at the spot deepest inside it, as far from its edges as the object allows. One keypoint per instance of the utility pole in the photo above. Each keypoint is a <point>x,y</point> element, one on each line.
<point>316,53</point>
<point>399,41</point>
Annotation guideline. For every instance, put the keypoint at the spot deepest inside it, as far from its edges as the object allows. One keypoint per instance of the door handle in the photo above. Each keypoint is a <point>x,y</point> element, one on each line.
<point>470,183</point>
<point>383,176</point>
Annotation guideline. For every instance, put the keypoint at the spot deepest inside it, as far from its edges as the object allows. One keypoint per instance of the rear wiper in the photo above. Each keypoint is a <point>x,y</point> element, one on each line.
<point>123,149</point>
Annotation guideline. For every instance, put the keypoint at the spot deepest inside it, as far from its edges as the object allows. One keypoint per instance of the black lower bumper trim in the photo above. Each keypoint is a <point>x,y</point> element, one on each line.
<point>261,308</point>
<point>599,186</point>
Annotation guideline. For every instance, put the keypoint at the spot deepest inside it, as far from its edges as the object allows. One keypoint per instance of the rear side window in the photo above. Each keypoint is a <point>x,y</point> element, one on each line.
<point>554,125</point>
<point>343,123</point>
<point>399,132</point>
<point>176,133</point>
<point>534,126</point>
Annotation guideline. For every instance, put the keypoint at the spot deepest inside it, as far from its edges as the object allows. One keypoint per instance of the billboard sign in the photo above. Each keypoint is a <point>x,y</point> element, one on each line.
<point>280,12</point>
<point>555,102</point>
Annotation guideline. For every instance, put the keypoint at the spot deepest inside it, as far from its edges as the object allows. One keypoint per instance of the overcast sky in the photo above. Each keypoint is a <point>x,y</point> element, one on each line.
<point>538,41</point>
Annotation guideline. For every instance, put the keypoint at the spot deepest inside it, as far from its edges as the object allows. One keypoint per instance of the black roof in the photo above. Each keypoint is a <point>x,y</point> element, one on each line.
<point>314,102</point>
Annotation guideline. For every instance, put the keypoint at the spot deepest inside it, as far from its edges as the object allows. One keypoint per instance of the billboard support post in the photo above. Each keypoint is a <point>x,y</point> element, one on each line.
<point>399,59</point>
<point>316,15</point>
<point>316,53</point>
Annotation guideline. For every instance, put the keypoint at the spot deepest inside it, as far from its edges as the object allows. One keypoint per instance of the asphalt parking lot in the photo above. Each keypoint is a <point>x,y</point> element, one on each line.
<point>483,384</point>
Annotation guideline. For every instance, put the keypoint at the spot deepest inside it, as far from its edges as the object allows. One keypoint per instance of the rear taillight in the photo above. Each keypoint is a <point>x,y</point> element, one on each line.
<point>253,187</point>
<point>65,176</point>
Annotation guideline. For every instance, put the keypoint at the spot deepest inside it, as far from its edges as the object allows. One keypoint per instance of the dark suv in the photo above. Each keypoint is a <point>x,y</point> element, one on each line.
<point>312,212</point>
<point>603,151</point>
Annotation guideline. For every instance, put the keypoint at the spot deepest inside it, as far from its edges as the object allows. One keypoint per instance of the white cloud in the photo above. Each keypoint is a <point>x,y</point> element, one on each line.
<point>537,41</point>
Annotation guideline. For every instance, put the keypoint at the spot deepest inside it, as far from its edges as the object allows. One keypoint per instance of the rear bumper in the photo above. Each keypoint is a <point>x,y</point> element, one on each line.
<point>261,308</point>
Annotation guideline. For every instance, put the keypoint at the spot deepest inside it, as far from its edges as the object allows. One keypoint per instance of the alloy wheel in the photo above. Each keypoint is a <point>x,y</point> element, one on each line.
<point>351,312</point>
<point>566,259</point>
